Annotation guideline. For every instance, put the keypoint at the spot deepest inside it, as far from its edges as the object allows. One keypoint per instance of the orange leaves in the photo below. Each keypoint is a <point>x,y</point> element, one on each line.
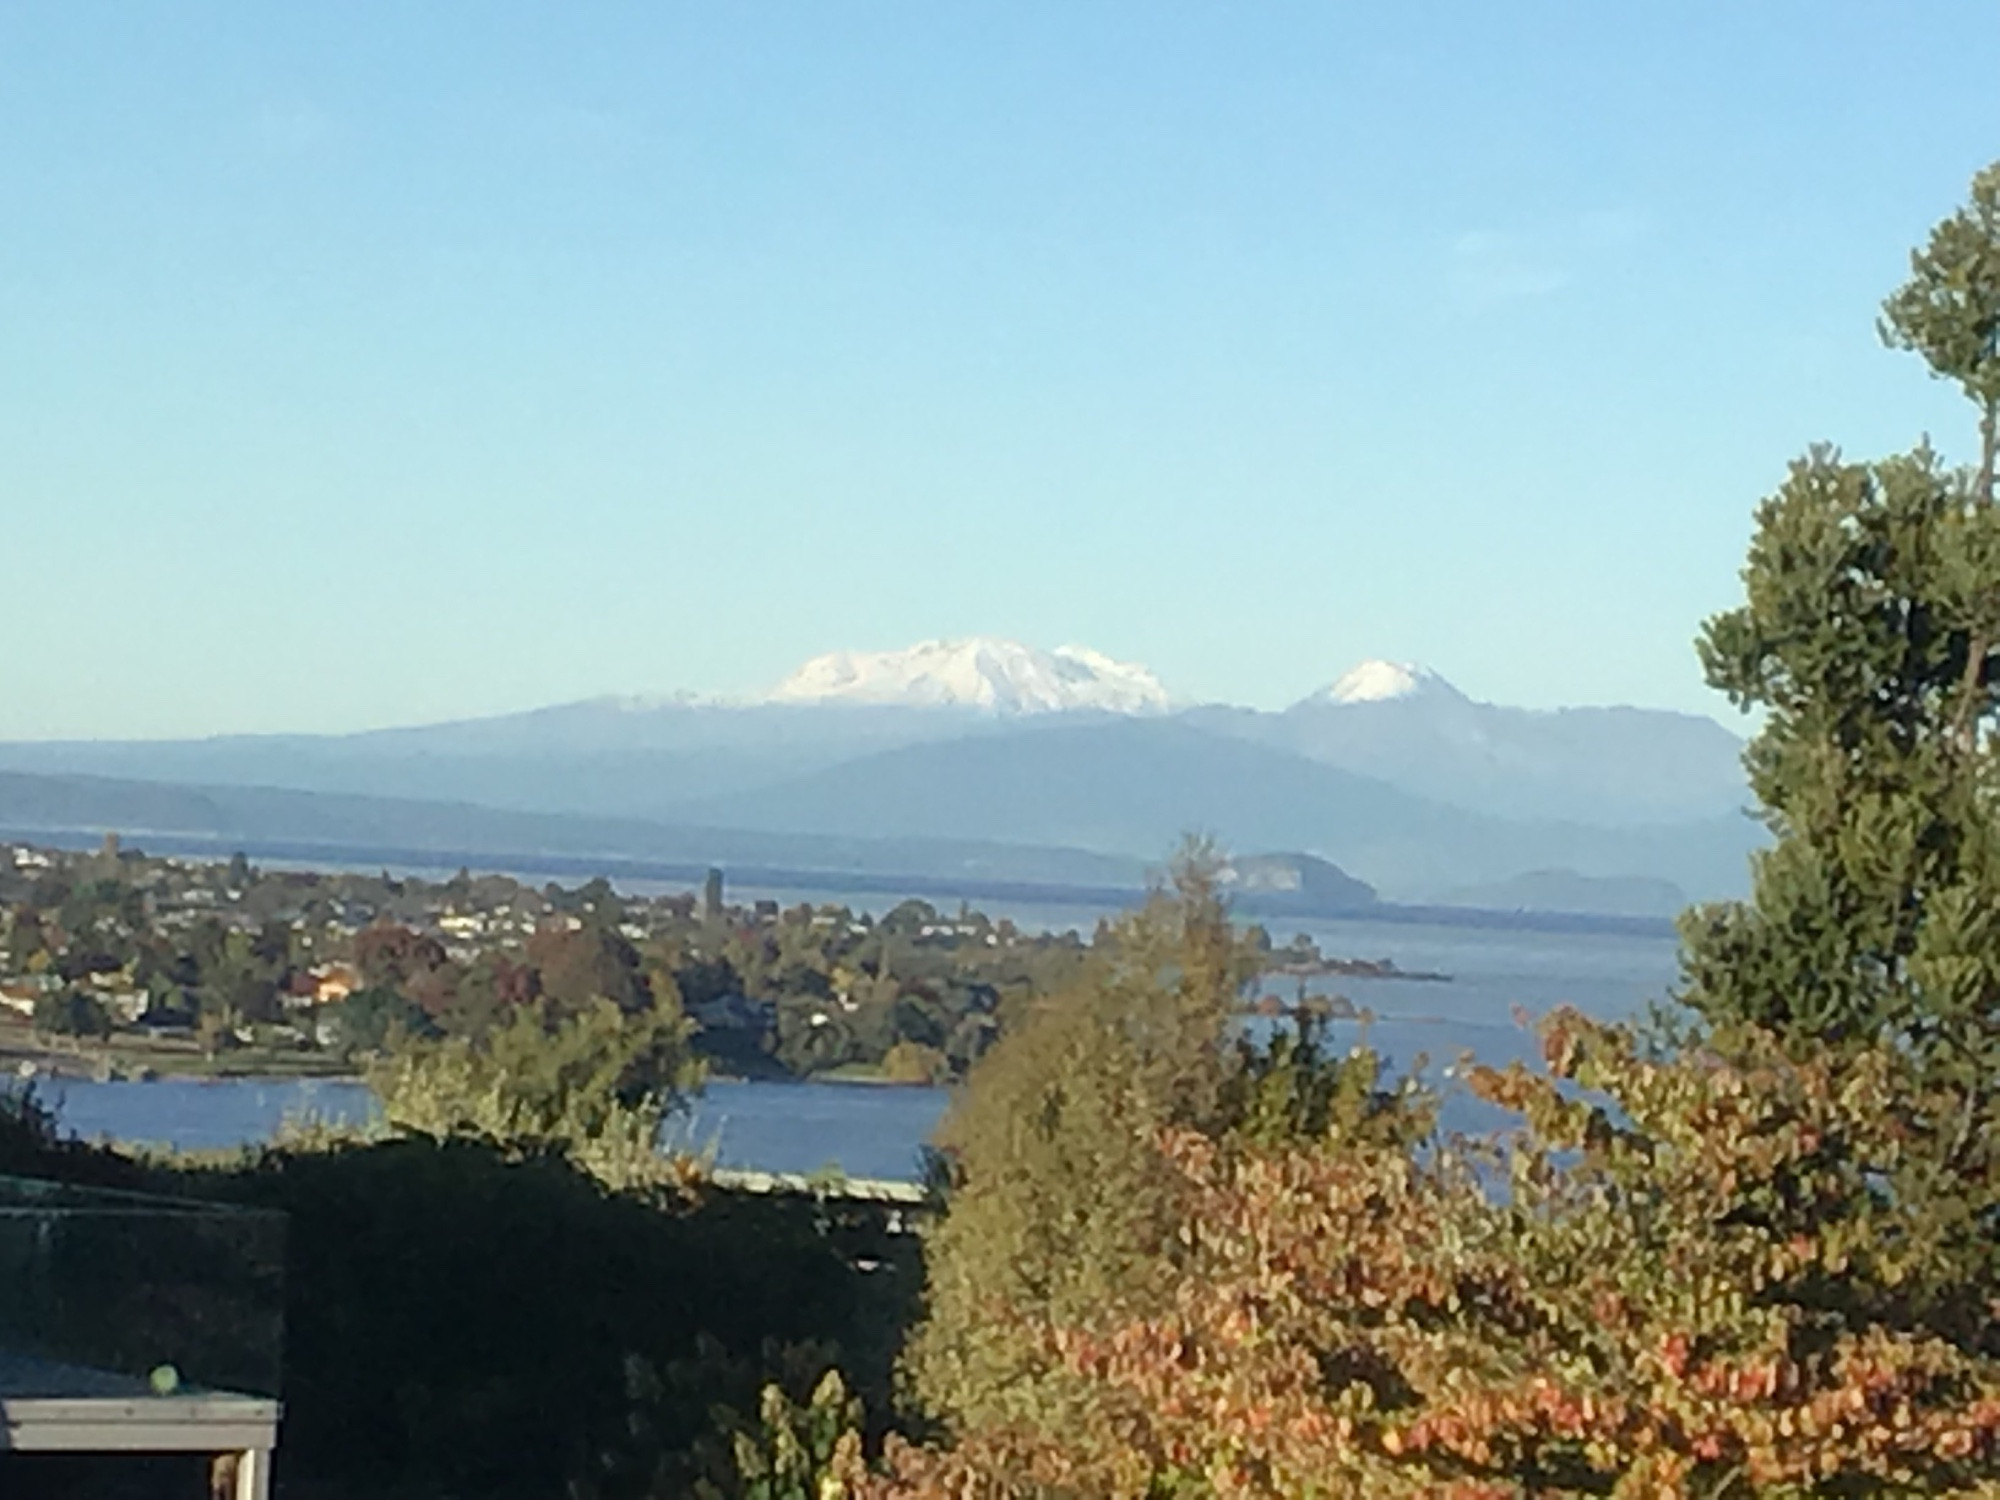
<point>1677,1307</point>
<point>1673,1354</point>
<point>1757,1381</point>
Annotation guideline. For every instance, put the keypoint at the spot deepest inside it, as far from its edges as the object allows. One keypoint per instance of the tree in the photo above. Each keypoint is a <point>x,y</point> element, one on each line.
<point>272,947</point>
<point>387,953</point>
<point>908,918</point>
<point>1868,639</point>
<point>1949,310</point>
<point>914,1062</point>
<point>370,1019</point>
<point>72,1012</point>
<point>216,1026</point>
<point>26,938</point>
<point>240,982</point>
<point>1670,1300</point>
<point>491,987</point>
<point>703,980</point>
<point>1880,803</point>
<point>1063,1203</point>
<point>596,1083</point>
<point>582,964</point>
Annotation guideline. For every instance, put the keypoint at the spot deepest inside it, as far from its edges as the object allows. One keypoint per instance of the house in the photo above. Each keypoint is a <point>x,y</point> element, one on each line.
<point>20,997</point>
<point>125,1005</point>
<point>333,983</point>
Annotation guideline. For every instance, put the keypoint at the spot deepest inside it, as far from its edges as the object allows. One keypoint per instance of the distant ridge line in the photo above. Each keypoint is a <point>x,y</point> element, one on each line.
<point>1096,898</point>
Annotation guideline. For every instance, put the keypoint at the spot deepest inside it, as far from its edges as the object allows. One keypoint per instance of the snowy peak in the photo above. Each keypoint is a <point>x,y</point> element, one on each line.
<point>997,676</point>
<point>1384,682</point>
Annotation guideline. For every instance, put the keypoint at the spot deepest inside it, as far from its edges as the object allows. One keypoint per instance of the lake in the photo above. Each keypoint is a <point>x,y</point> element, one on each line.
<point>877,1131</point>
<point>867,1130</point>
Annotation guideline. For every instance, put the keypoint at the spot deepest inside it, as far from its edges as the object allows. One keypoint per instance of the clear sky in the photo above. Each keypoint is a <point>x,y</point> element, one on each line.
<point>373,363</point>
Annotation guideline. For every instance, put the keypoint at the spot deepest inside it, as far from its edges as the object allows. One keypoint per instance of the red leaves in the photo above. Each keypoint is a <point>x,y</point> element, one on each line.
<point>1674,1354</point>
<point>1650,1313</point>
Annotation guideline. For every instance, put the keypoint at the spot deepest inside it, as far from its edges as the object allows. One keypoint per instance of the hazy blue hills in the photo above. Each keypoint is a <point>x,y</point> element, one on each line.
<point>610,757</point>
<point>1389,773</point>
<point>1566,890</point>
<point>653,757</point>
<point>1133,786</point>
<point>1123,790</point>
<point>370,829</point>
<point>1129,785</point>
<point>1591,765</point>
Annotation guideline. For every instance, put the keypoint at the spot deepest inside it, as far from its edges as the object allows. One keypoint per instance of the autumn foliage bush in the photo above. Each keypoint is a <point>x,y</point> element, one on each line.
<point>1678,1278</point>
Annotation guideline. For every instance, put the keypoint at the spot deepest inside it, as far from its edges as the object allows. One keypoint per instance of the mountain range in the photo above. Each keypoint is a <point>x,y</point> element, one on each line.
<point>944,753</point>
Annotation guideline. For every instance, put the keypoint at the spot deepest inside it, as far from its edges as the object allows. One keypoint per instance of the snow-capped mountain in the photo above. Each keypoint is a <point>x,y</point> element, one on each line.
<point>1406,725</point>
<point>982,672</point>
<point>1390,773</point>
<point>1384,682</point>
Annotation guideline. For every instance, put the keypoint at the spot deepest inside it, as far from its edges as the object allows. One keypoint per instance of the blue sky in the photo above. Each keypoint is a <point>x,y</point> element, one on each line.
<point>367,363</point>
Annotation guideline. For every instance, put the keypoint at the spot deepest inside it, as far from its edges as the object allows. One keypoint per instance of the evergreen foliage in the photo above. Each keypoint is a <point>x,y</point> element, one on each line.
<point>1060,1201</point>
<point>596,1083</point>
<point>466,1321</point>
<point>1060,1205</point>
<point>1870,640</point>
<point>1949,309</point>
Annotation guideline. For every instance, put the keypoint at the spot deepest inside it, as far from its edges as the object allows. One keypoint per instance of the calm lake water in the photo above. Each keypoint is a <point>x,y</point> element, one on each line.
<point>871,1131</point>
<point>866,1130</point>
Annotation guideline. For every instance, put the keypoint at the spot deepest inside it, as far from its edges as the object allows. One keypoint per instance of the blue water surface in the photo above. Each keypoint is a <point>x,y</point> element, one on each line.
<point>878,1131</point>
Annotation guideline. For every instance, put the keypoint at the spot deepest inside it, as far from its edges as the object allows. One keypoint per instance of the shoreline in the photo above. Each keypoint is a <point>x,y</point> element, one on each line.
<point>1355,968</point>
<point>68,1068</point>
<point>26,1058</point>
<point>628,866</point>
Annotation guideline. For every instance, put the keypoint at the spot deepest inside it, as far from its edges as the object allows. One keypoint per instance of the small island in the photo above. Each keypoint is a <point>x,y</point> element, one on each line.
<point>1301,959</point>
<point>1301,962</point>
<point>1356,968</point>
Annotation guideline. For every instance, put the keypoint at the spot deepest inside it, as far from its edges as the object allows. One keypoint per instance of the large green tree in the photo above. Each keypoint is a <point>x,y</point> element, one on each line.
<point>1868,641</point>
<point>1062,1205</point>
<point>1062,1201</point>
<point>595,1083</point>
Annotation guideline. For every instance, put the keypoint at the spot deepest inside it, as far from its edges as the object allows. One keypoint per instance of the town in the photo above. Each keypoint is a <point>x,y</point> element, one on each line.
<point>116,963</point>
